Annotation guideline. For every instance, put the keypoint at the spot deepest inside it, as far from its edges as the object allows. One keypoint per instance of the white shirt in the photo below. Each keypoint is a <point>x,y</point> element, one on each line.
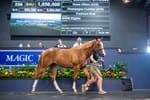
<point>61,46</point>
<point>77,44</point>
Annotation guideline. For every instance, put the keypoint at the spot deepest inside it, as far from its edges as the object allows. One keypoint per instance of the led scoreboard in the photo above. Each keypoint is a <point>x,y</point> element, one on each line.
<point>60,17</point>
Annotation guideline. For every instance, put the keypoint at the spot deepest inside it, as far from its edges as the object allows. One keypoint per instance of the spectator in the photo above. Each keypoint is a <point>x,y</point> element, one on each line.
<point>40,45</point>
<point>28,45</point>
<point>119,50</point>
<point>78,42</point>
<point>20,45</point>
<point>60,44</point>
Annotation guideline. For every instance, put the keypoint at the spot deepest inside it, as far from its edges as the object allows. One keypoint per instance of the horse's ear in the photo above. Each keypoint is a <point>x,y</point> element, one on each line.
<point>101,38</point>
<point>96,38</point>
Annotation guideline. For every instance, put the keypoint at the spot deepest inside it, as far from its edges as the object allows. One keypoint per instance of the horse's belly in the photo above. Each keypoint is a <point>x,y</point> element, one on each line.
<point>66,65</point>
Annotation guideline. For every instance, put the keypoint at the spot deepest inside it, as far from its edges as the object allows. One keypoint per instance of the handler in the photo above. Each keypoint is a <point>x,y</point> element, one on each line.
<point>95,74</point>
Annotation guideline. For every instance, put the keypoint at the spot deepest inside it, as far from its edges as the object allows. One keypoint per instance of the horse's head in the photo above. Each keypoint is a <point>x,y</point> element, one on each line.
<point>99,48</point>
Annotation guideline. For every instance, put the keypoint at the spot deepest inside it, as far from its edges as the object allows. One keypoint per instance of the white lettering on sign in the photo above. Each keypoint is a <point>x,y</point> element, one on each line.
<point>20,58</point>
<point>39,57</point>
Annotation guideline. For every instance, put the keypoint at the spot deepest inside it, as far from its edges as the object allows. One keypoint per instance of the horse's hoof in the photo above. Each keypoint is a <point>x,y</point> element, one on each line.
<point>33,92</point>
<point>61,92</point>
<point>75,92</point>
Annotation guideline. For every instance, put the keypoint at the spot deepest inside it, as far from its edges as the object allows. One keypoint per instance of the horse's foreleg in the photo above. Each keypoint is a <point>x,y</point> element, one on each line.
<point>74,87</point>
<point>74,79</point>
<point>86,73</point>
<point>54,72</point>
<point>88,76</point>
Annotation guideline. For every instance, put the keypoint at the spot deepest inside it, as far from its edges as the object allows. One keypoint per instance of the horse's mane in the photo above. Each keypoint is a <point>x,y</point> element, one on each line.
<point>84,45</point>
<point>88,44</point>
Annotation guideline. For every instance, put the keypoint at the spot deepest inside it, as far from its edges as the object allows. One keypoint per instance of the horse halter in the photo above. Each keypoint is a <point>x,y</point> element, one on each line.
<point>97,49</point>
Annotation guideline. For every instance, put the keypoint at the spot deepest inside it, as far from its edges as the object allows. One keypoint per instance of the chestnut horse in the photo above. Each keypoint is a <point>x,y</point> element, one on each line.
<point>75,57</point>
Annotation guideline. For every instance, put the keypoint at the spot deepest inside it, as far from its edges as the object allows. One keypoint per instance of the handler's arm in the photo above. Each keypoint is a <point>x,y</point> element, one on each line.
<point>92,59</point>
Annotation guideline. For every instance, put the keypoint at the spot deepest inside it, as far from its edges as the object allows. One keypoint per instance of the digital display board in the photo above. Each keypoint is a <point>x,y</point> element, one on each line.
<point>149,26</point>
<point>60,17</point>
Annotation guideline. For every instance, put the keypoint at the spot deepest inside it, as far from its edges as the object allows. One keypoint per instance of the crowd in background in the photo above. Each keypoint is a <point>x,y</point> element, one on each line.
<point>28,45</point>
<point>59,44</point>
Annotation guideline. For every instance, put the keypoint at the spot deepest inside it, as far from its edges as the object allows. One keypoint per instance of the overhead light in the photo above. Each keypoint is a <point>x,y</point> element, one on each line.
<point>148,45</point>
<point>148,49</point>
<point>126,1</point>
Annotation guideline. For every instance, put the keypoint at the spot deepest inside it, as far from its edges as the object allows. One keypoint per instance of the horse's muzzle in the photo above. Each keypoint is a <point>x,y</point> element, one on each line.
<point>102,55</point>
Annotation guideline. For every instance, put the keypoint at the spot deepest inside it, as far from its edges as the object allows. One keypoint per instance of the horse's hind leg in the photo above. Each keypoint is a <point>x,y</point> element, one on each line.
<point>54,72</point>
<point>38,74</point>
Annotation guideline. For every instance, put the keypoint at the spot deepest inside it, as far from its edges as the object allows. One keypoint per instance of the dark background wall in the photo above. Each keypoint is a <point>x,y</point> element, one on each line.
<point>138,66</point>
<point>128,28</point>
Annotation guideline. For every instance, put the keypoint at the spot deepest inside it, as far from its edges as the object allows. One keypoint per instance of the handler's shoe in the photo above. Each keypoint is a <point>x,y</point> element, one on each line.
<point>84,88</point>
<point>102,92</point>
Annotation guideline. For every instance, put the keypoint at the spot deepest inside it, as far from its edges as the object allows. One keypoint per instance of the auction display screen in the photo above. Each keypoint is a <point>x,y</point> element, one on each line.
<point>60,17</point>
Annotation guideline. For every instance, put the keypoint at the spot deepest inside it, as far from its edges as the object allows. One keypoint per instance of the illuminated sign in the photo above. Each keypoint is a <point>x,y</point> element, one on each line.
<point>19,57</point>
<point>60,17</point>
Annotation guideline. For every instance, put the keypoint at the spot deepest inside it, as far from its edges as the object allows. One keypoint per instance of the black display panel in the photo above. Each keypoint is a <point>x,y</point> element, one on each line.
<point>149,26</point>
<point>60,18</point>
